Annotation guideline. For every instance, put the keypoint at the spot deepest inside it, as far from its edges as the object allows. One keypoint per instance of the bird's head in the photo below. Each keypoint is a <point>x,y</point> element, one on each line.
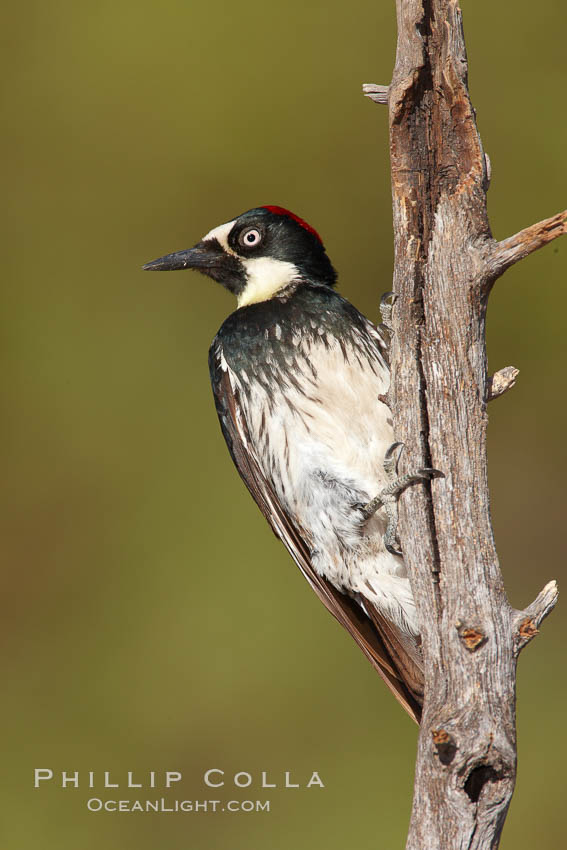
<point>256,255</point>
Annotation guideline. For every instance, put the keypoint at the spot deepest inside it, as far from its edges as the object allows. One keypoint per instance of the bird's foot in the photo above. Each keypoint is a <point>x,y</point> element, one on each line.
<point>388,497</point>
<point>386,305</point>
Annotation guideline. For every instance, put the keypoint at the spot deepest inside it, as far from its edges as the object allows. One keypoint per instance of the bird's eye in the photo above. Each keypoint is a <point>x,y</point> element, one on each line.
<point>250,238</point>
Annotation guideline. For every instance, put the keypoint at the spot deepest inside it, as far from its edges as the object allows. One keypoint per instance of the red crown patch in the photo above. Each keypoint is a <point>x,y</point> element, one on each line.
<point>289,214</point>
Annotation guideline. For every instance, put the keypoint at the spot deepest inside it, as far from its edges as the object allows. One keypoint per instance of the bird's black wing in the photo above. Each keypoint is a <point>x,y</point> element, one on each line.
<point>377,639</point>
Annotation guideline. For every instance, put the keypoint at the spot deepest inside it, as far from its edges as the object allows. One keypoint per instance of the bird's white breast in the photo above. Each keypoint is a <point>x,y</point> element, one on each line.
<point>320,433</point>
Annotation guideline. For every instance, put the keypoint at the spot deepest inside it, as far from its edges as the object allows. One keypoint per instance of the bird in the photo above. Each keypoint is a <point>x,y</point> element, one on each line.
<point>298,377</point>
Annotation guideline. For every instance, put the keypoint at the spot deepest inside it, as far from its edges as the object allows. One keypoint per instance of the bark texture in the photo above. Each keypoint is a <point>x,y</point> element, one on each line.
<point>446,262</point>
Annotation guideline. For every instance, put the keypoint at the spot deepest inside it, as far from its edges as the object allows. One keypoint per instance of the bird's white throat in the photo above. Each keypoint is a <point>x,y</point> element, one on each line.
<point>265,277</point>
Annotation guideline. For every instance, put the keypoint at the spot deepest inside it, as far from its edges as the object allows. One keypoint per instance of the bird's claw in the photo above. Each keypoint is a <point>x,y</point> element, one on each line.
<point>388,497</point>
<point>386,305</point>
<point>390,462</point>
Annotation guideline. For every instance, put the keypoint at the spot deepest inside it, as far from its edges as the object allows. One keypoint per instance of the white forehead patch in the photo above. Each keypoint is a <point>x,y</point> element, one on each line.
<point>220,233</point>
<point>265,277</point>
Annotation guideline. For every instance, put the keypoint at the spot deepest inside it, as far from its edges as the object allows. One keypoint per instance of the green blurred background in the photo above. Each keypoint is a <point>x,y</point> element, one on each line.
<point>151,620</point>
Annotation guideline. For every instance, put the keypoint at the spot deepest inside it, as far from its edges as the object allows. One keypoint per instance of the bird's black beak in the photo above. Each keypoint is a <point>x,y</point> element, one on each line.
<point>204,256</point>
<point>208,257</point>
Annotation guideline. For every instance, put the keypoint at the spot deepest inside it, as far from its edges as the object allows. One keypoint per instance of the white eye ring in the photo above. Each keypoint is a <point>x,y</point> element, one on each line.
<point>250,238</point>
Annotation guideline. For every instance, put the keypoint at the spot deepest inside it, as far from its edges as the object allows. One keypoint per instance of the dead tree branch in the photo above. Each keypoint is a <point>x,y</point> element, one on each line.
<point>525,624</point>
<point>501,382</point>
<point>516,247</point>
<point>446,262</point>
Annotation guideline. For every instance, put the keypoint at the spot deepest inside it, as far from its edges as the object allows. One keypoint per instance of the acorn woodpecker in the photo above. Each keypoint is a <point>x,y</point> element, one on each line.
<point>298,376</point>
